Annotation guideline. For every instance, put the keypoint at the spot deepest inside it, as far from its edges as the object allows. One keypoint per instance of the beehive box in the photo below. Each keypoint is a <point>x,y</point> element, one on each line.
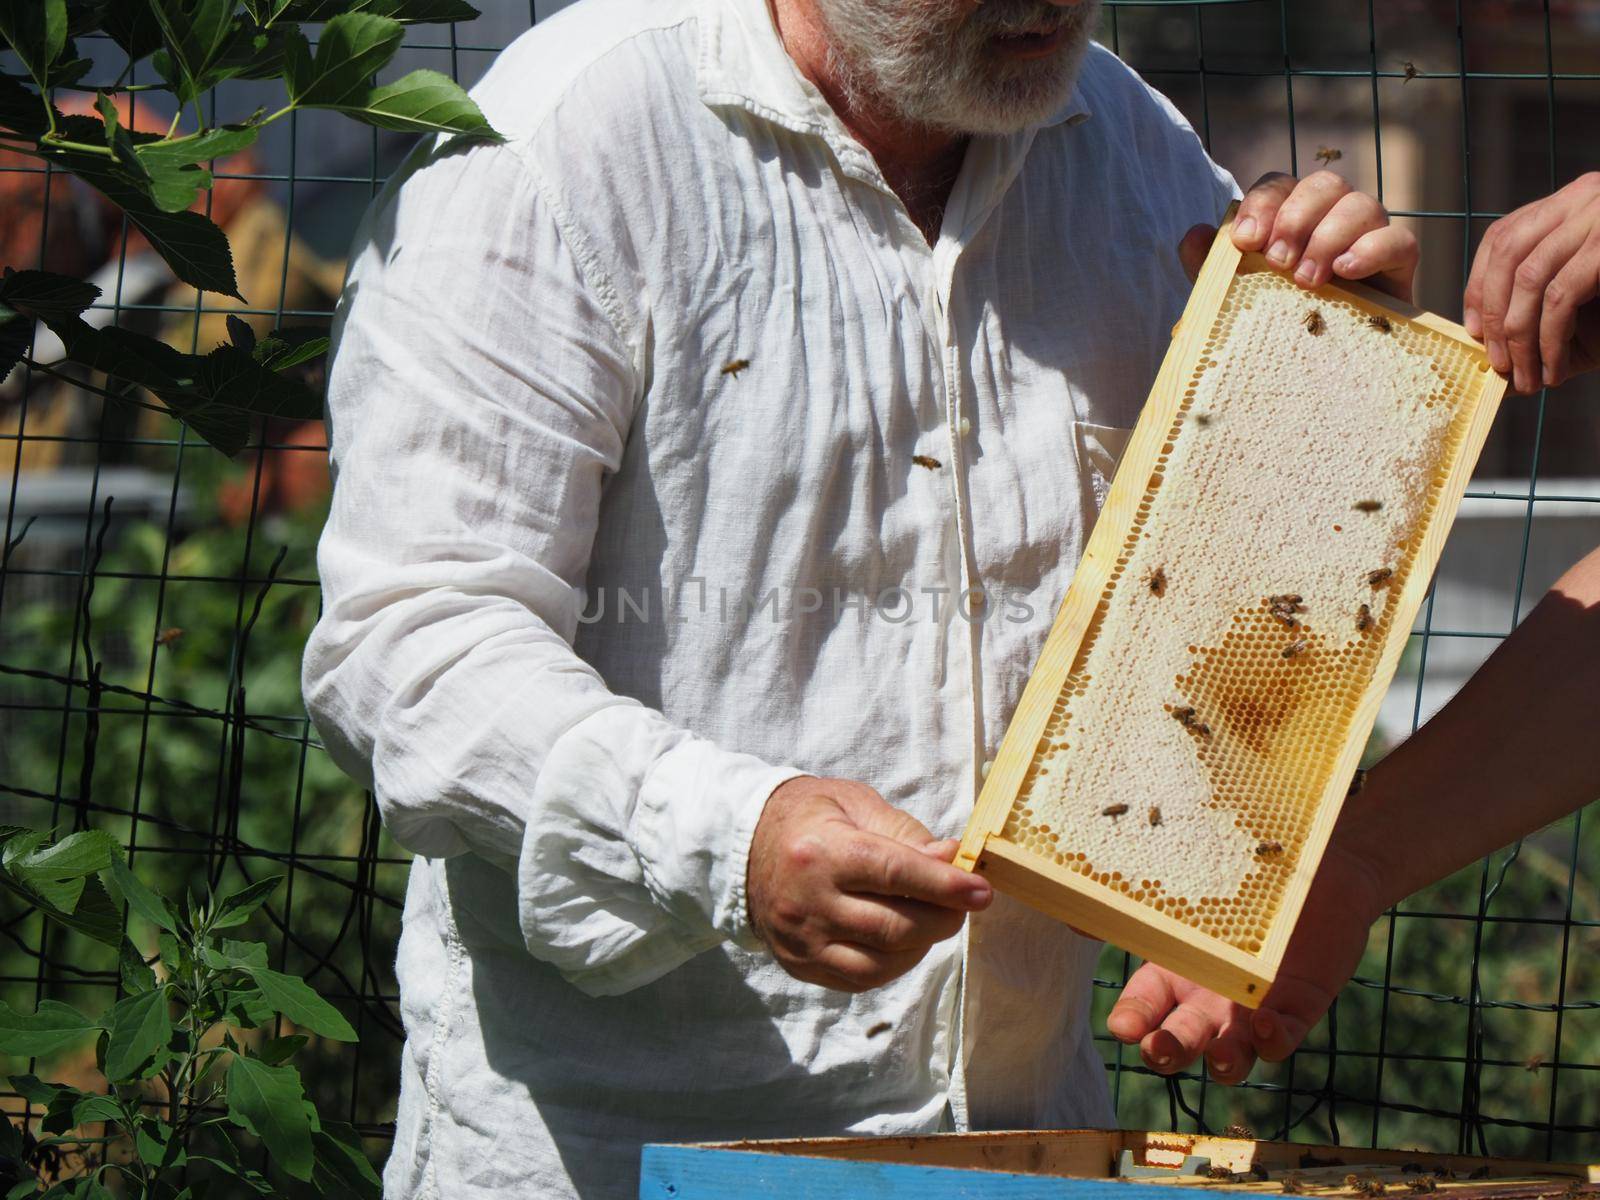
<point>1088,1165</point>
<point>1172,774</point>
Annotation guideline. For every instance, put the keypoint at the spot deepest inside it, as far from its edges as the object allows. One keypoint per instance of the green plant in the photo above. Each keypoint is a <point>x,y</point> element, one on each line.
<point>184,1053</point>
<point>155,179</point>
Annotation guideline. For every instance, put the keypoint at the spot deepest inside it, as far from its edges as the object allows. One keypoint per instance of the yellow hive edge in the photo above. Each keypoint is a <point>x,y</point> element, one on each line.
<point>1103,911</point>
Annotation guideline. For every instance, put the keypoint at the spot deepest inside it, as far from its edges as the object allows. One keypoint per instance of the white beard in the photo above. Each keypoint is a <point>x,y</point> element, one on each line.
<point>910,59</point>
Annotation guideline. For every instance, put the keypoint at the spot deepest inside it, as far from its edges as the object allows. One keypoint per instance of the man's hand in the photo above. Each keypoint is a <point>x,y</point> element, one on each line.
<point>1174,1022</point>
<point>1531,296</point>
<point>848,891</point>
<point>1316,227</point>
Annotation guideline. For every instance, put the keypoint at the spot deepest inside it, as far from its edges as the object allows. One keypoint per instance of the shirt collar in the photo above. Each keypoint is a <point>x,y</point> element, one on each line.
<point>743,63</point>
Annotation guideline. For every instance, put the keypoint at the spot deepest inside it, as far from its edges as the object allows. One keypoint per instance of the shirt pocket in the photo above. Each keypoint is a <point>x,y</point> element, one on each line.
<point>1099,449</point>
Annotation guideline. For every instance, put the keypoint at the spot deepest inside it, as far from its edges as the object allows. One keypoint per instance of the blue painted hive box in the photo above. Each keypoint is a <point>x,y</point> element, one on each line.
<point>1089,1165</point>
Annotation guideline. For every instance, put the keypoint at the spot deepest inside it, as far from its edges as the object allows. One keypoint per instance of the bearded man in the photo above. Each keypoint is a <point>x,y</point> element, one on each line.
<point>711,457</point>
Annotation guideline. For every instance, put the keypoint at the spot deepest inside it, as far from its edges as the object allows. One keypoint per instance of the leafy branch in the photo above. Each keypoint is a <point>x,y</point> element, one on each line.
<point>184,1073</point>
<point>157,179</point>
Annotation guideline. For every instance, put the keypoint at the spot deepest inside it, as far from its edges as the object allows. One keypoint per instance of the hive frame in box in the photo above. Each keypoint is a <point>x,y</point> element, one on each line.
<point>1081,1164</point>
<point>1099,909</point>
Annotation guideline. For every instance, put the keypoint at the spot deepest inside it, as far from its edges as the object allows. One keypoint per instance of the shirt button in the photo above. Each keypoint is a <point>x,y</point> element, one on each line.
<point>965,427</point>
<point>984,769</point>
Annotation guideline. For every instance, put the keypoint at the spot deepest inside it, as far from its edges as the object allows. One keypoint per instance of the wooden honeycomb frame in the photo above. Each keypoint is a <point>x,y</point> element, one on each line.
<point>1014,864</point>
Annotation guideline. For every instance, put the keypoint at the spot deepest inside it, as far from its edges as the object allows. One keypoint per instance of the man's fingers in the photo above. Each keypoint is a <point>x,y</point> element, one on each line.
<point>1146,1000</point>
<point>852,968</point>
<point>1182,1038</point>
<point>941,851</point>
<point>1575,285</point>
<point>1194,247</point>
<point>1230,1057</point>
<point>1335,236</point>
<point>884,923</point>
<point>1386,259</point>
<point>1300,214</point>
<point>884,867</point>
<point>1259,209</point>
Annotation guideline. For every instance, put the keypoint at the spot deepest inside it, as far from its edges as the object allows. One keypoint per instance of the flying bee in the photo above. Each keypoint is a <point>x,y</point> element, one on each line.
<point>734,367</point>
<point>1533,1062</point>
<point>1357,782</point>
<point>924,460</point>
<point>1367,506</point>
<point>1158,582</point>
<point>1314,323</point>
<point>1329,154</point>
<point>1410,68</point>
<point>167,636</point>
<point>1364,621</point>
<point>1113,810</point>
<point>1295,648</point>
<point>1380,577</point>
<point>1269,849</point>
<point>1155,816</point>
<point>878,1030</point>
<point>1380,322</point>
<point>1202,419</point>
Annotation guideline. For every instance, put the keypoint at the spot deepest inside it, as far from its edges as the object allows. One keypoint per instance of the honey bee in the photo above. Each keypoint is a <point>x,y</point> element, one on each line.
<point>1202,419</point>
<point>1269,849</point>
<point>1533,1063</point>
<point>1288,600</point>
<point>1158,582</point>
<point>881,1028</point>
<point>1201,730</point>
<point>1239,1131</point>
<point>1291,1184</point>
<point>1284,608</point>
<point>1314,323</point>
<point>1380,322</point>
<point>1380,577</point>
<point>1369,1185</point>
<point>1113,810</point>
<point>1364,621</point>
<point>1422,1184</point>
<point>1410,68</point>
<point>1295,648</point>
<point>1184,716</point>
<point>1329,154</point>
<point>1218,1173</point>
<point>1367,506</point>
<point>1259,1171</point>
<point>1155,816</point>
<point>734,367</point>
<point>167,636</point>
<point>923,460</point>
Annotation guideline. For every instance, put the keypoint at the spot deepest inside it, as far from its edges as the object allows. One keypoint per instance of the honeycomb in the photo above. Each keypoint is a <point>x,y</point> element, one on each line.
<point>1216,685</point>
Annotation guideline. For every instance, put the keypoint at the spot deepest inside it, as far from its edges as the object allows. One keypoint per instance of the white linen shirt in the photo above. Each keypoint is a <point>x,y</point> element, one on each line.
<point>593,588</point>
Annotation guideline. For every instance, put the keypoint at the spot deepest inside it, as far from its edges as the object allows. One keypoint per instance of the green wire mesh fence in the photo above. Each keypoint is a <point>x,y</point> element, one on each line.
<point>154,597</point>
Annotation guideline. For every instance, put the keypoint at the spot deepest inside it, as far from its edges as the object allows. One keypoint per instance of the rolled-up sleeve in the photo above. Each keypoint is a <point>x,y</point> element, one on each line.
<point>480,395</point>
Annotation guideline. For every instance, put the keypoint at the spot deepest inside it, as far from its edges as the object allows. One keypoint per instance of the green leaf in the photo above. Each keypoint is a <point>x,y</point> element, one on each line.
<point>35,1091</point>
<point>422,102</point>
<point>409,12</point>
<point>237,908</point>
<point>46,295</point>
<point>340,1155</point>
<point>270,1102</point>
<point>21,110</point>
<point>242,334</point>
<point>36,31</point>
<point>351,49</point>
<point>137,975</point>
<point>140,1026</point>
<point>58,875</point>
<point>24,1190</point>
<point>282,349</point>
<point>95,1108</point>
<point>173,169</point>
<point>133,26</point>
<point>196,34</point>
<point>140,898</point>
<point>51,1027</point>
<point>235,956</point>
<point>247,1008</point>
<point>278,1050</point>
<point>295,999</point>
<point>171,951</point>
